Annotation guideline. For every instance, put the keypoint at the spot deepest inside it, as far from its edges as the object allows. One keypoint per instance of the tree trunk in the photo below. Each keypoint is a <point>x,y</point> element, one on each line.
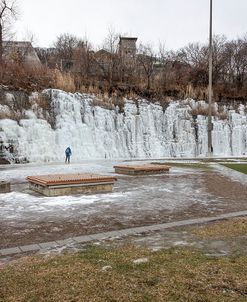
<point>148,76</point>
<point>1,43</point>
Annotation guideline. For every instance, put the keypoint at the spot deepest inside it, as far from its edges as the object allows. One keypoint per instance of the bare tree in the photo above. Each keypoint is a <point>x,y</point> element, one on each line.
<point>29,36</point>
<point>219,42</point>
<point>195,55</point>
<point>83,60</point>
<point>146,59</point>
<point>110,42</point>
<point>165,58</point>
<point>65,45</point>
<point>107,58</point>
<point>8,12</point>
<point>236,53</point>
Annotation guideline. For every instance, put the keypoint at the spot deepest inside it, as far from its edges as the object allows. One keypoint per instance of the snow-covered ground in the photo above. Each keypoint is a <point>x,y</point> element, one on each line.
<point>128,191</point>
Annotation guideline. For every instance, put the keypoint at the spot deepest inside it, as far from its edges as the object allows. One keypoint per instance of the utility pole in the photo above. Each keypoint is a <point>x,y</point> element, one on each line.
<point>210,125</point>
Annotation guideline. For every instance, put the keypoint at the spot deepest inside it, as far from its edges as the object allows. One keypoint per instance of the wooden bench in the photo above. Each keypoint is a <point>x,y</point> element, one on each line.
<point>141,169</point>
<point>69,184</point>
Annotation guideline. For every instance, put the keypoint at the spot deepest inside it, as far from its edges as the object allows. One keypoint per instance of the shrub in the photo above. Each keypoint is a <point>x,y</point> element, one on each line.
<point>25,77</point>
<point>64,81</point>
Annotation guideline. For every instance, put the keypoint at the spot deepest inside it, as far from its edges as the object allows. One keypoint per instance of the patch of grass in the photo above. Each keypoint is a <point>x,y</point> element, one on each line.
<point>223,229</point>
<point>238,167</point>
<point>176,274</point>
<point>198,165</point>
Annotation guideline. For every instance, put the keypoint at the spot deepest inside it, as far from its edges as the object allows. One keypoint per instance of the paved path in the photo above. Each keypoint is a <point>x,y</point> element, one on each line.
<point>112,234</point>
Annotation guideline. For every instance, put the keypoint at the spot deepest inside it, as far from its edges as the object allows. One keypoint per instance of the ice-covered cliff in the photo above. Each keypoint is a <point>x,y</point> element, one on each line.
<point>142,130</point>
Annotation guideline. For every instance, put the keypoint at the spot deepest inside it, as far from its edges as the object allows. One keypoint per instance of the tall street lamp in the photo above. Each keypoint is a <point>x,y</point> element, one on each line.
<point>210,125</point>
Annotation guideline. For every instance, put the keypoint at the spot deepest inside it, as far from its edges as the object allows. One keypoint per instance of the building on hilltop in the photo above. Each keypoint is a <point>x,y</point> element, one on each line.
<point>20,52</point>
<point>127,47</point>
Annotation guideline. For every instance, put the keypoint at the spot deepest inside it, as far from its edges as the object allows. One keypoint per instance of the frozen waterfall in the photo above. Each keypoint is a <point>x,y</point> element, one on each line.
<point>142,130</point>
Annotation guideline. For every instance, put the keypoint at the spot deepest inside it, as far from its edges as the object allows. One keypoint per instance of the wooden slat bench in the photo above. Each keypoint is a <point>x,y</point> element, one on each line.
<point>69,184</point>
<point>141,169</point>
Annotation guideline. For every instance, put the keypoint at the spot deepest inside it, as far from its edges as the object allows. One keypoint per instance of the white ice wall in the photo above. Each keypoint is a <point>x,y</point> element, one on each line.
<point>145,131</point>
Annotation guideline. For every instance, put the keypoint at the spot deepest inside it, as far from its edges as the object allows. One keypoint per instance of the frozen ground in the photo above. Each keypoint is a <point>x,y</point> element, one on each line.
<point>26,217</point>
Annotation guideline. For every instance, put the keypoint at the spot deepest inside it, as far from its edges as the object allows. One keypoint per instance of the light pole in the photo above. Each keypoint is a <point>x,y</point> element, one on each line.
<point>210,125</point>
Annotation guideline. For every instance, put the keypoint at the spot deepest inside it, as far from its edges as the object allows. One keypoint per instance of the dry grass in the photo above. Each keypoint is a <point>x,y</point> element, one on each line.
<point>223,229</point>
<point>42,101</point>
<point>222,114</point>
<point>4,115</point>
<point>13,115</point>
<point>177,274</point>
<point>106,104</point>
<point>64,81</point>
<point>24,77</point>
<point>200,110</point>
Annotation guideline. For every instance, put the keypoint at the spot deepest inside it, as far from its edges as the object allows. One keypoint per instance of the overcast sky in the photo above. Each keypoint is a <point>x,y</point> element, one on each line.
<point>174,23</point>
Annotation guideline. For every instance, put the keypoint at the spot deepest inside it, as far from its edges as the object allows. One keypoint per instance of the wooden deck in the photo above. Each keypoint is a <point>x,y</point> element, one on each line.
<point>141,169</point>
<point>66,184</point>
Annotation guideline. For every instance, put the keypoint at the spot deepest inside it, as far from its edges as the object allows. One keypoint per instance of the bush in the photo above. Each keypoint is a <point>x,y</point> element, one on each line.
<point>28,78</point>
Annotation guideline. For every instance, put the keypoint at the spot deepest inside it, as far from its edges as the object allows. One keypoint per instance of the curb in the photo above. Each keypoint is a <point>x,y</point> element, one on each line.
<point>117,233</point>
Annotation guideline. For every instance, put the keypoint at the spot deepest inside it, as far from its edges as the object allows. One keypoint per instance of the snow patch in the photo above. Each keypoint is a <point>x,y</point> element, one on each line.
<point>140,260</point>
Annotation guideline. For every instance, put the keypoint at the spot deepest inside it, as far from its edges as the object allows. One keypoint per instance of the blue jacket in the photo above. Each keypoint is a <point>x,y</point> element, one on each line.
<point>68,151</point>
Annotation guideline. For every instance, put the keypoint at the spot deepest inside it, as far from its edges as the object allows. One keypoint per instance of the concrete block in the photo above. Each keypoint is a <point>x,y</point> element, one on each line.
<point>133,231</point>
<point>29,248</point>
<point>70,190</point>
<point>4,187</point>
<point>68,241</point>
<point>98,236</point>
<point>82,239</point>
<point>50,244</point>
<point>10,251</point>
<point>113,234</point>
<point>141,230</point>
<point>155,227</point>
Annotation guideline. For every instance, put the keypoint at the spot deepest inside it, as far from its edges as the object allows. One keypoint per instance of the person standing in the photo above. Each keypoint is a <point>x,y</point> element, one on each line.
<point>68,153</point>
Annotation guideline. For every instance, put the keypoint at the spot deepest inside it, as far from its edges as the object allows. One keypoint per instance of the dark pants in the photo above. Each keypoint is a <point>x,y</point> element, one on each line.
<point>67,159</point>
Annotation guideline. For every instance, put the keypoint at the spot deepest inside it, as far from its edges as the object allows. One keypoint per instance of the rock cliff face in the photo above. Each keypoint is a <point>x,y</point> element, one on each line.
<point>142,130</point>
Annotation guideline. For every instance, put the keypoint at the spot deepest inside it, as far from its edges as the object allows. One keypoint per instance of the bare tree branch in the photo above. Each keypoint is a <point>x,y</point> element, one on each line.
<point>8,12</point>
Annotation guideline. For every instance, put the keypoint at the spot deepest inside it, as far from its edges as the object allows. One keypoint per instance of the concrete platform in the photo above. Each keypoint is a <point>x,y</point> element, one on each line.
<point>69,184</point>
<point>141,169</point>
